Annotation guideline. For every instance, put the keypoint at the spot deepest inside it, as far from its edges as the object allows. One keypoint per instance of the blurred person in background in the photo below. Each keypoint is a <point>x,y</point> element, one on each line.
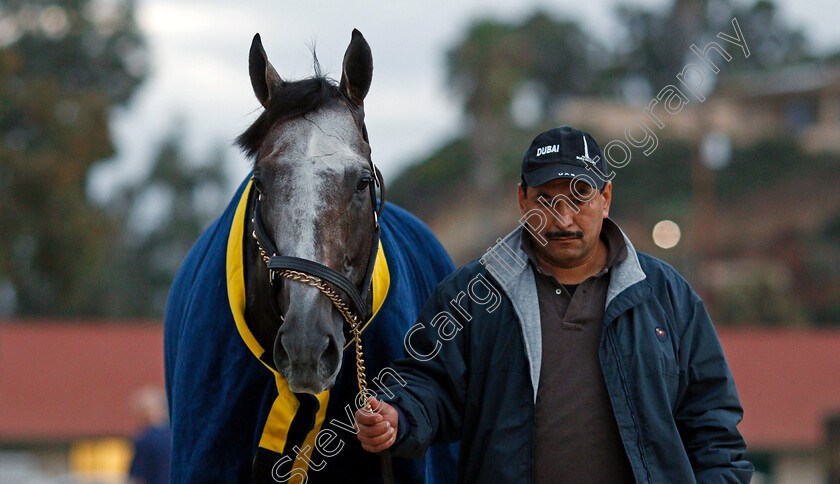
<point>564,355</point>
<point>153,444</point>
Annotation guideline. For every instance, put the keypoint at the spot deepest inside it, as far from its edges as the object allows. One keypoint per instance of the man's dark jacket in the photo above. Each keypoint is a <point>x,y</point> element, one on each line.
<point>475,363</point>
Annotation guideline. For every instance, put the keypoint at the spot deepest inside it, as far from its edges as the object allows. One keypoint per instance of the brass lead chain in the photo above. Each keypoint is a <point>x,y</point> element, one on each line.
<point>360,365</point>
<point>264,256</point>
<point>348,316</point>
<point>339,304</point>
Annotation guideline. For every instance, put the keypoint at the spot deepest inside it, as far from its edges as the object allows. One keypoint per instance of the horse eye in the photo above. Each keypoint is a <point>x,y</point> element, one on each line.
<point>363,183</point>
<point>258,185</point>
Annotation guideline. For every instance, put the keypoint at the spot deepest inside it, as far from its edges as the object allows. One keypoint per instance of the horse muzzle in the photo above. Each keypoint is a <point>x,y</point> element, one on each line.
<point>309,365</point>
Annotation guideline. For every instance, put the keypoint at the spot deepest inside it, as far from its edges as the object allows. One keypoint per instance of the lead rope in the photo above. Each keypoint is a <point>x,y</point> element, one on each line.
<point>353,321</point>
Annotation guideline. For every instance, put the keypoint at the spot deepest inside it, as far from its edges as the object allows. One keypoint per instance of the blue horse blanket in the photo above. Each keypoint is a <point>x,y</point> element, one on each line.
<point>233,418</point>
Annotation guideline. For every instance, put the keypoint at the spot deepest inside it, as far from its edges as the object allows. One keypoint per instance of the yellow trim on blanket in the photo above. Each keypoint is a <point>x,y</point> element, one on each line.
<point>286,405</point>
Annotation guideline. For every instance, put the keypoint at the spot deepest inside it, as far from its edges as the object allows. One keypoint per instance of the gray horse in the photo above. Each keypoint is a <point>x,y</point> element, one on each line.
<point>260,367</point>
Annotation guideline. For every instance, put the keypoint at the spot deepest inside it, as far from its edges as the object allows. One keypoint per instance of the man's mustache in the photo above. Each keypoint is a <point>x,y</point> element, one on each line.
<point>560,234</point>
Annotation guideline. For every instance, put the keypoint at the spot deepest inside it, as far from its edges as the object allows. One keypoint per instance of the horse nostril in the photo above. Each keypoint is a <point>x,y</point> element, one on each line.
<point>281,357</point>
<point>330,358</point>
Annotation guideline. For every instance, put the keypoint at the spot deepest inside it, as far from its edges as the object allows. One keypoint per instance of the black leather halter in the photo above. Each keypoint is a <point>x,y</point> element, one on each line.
<point>355,298</point>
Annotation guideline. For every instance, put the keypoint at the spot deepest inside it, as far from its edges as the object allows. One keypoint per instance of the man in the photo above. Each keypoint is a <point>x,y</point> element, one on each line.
<point>564,355</point>
<point>153,445</point>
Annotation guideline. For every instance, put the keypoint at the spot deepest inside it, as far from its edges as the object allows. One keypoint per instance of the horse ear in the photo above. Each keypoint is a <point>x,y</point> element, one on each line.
<point>357,69</point>
<point>264,79</point>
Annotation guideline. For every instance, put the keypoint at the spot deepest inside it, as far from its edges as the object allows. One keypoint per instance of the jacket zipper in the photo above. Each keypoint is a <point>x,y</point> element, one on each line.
<point>629,402</point>
<point>533,435</point>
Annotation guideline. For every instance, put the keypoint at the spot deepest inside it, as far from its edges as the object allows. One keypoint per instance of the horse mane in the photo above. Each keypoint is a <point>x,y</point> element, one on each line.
<point>291,99</point>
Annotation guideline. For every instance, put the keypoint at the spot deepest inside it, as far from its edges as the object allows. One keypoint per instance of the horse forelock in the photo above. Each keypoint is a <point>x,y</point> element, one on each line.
<point>291,100</point>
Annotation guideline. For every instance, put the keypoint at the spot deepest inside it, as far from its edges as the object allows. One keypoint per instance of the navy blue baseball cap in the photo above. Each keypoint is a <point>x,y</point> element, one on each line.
<point>564,152</point>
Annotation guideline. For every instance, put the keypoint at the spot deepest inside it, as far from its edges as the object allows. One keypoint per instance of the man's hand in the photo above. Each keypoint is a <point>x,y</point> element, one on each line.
<point>377,431</point>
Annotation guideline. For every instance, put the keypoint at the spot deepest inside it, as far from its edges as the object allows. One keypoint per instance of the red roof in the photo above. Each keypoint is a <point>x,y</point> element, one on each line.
<point>788,381</point>
<point>61,381</point>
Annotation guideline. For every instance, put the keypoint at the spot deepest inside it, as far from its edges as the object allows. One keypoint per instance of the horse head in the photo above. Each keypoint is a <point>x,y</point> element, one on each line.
<point>312,173</point>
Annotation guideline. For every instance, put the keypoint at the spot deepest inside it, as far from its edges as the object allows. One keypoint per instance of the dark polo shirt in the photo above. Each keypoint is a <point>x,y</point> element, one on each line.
<point>576,437</point>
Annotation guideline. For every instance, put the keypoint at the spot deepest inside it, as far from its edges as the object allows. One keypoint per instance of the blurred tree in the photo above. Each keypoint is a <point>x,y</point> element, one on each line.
<point>655,45</point>
<point>511,74</point>
<point>165,213</point>
<point>495,58</point>
<point>63,65</point>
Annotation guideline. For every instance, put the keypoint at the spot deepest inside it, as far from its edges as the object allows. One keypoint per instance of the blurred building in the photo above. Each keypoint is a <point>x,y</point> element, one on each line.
<point>801,101</point>
<point>66,398</point>
<point>789,384</point>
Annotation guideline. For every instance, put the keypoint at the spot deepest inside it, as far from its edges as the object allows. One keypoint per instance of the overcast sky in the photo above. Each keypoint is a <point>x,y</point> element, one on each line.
<point>199,67</point>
